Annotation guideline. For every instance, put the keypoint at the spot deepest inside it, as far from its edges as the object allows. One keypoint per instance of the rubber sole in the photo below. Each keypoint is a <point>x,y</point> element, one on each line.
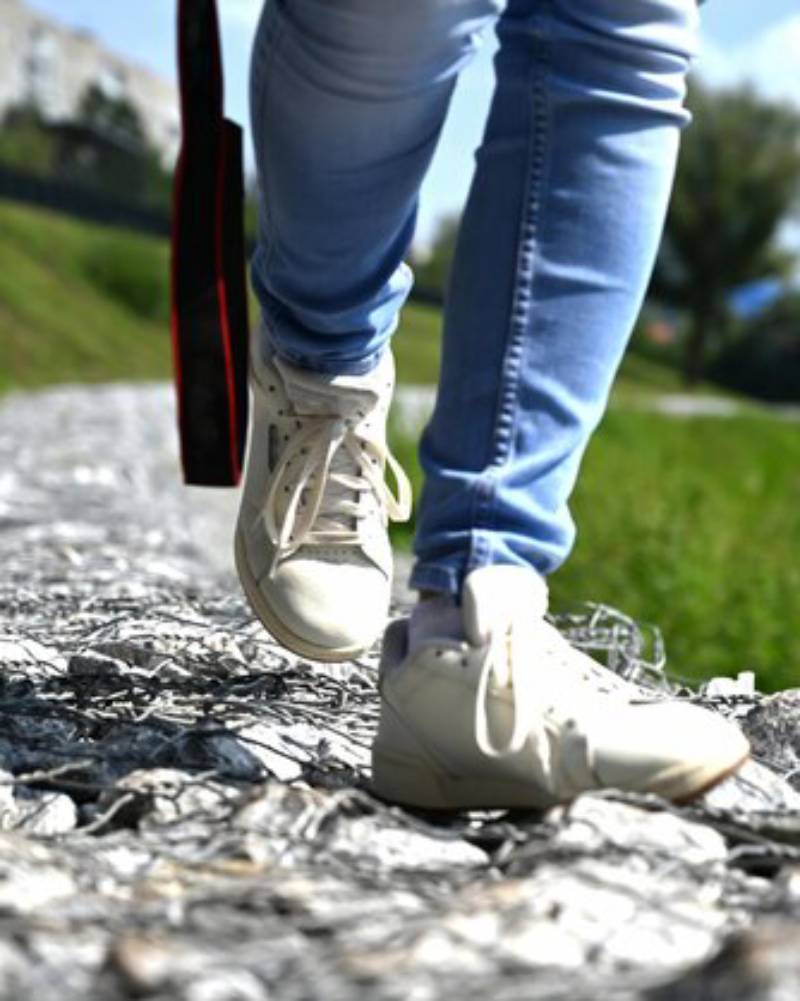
<point>272,623</point>
<point>715,781</point>
<point>407,781</point>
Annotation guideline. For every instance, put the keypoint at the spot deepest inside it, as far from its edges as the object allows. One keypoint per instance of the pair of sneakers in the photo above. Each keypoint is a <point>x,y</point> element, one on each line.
<point>492,710</point>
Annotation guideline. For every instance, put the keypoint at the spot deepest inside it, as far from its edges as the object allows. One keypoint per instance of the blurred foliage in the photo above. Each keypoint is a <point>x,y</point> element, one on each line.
<point>738,180</point>
<point>251,214</point>
<point>66,315</point>
<point>111,116</point>
<point>25,141</point>
<point>417,345</point>
<point>764,360</point>
<point>104,147</point>
<point>111,152</point>
<point>132,272</point>
<point>432,269</point>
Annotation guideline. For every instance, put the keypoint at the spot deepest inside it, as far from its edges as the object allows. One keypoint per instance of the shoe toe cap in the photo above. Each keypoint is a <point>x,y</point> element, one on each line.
<point>331,605</point>
<point>673,749</point>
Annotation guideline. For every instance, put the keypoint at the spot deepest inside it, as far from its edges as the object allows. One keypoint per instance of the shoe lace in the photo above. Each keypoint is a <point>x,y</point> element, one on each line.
<point>323,465</point>
<point>506,663</point>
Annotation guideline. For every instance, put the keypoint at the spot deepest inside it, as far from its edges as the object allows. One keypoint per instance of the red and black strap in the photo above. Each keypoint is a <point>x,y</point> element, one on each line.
<point>209,288</point>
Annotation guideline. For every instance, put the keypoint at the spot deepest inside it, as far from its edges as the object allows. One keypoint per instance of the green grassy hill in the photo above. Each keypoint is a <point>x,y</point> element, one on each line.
<point>85,303</point>
<point>69,310</point>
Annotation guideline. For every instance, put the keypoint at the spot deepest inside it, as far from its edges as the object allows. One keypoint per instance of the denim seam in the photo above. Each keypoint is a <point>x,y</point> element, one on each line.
<point>273,37</point>
<point>485,493</point>
<point>525,271</point>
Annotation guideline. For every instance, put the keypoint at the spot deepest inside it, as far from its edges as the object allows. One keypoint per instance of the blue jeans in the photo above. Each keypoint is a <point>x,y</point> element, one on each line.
<point>556,246</point>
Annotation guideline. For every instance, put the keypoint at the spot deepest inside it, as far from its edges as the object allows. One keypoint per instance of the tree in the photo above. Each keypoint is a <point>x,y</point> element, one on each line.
<point>765,360</point>
<point>116,117</point>
<point>738,179</point>
<point>25,142</point>
<point>432,271</point>
<point>109,150</point>
<point>103,146</point>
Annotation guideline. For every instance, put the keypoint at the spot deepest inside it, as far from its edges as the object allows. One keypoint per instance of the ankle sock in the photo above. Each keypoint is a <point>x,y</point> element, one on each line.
<point>434,618</point>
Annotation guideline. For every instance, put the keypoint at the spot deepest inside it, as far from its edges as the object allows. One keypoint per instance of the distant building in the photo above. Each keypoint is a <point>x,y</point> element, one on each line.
<point>45,62</point>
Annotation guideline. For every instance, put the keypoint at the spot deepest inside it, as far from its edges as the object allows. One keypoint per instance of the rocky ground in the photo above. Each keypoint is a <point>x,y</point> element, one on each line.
<point>185,810</point>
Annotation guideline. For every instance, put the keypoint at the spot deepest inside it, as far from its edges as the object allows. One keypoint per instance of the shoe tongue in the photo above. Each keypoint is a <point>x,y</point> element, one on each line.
<point>495,595</point>
<point>349,397</point>
<point>319,394</point>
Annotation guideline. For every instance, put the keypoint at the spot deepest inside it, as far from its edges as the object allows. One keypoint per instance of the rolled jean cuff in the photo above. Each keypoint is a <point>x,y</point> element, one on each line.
<point>361,367</point>
<point>441,577</point>
<point>270,346</point>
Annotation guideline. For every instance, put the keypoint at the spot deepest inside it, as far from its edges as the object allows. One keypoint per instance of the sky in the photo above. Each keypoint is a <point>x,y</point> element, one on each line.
<point>756,40</point>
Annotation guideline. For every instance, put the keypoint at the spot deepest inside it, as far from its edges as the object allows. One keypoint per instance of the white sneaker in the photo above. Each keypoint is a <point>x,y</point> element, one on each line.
<point>312,549</point>
<point>513,716</point>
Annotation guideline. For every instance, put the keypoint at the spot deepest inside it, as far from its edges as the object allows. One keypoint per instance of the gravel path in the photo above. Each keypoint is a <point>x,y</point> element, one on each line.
<point>414,405</point>
<point>185,810</point>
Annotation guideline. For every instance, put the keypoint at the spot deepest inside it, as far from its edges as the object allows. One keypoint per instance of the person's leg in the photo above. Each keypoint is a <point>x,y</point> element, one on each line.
<point>347,102</point>
<point>490,707</point>
<point>556,248</point>
<point>348,98</point>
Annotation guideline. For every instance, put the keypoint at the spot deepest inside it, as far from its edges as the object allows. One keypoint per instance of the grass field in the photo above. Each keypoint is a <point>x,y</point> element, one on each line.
<point>691,524</point>
<point>695,525</point>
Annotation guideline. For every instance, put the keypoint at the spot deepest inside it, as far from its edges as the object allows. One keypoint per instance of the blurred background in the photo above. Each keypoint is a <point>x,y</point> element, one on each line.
<point>689,503</point>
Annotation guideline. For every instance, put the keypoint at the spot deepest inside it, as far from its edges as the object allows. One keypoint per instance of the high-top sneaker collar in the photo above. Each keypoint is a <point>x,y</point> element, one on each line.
<point>350,397</point>
<point>498,594</point>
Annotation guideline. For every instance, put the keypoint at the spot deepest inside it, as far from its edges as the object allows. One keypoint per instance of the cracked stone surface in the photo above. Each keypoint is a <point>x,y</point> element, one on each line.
<point>185,809</point>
